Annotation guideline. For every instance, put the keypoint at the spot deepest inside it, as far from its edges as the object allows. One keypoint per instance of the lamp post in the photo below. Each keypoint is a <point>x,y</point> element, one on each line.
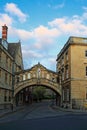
<point>13,80</point>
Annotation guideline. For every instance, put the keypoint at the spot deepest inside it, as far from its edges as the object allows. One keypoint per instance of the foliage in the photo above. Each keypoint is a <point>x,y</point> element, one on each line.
<point>38,93</point>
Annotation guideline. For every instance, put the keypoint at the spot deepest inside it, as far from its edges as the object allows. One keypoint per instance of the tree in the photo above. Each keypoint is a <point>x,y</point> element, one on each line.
<point>38,93</point>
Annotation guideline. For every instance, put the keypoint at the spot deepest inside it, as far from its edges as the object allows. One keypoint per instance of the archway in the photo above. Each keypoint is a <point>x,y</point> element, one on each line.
<point>25,96</point>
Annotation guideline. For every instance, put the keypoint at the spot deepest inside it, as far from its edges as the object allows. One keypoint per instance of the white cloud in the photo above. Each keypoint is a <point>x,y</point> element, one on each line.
<point>43,31</point>
<point>23,34</point>
<point>57,6</point>
<point>14,10</point>
<point>4,18</point>
<point>73,26</point>
<point>44,36</point>
<point>31,54</point>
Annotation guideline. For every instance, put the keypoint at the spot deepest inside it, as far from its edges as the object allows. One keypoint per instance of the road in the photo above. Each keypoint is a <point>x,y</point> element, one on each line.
<point>41,116</point>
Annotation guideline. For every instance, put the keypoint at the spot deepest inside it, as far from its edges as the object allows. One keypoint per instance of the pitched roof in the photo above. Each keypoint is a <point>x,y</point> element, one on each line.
<point>12,48</point>
<point>40,65</point>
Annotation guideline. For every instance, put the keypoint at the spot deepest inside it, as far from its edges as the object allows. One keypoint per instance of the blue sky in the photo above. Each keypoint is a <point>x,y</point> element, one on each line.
<point>43,26</point>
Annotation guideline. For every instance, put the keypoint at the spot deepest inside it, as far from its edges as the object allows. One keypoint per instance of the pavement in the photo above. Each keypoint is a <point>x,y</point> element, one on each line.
<point>70,110</point>
<point>4,112</point>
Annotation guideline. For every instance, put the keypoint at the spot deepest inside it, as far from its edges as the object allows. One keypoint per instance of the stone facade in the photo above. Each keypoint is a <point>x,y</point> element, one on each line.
<point>10,62</point>
<point>38,75</point>
<point>72,70</point>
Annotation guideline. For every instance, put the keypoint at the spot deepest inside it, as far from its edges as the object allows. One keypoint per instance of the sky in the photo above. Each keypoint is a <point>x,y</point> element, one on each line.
<point>43,27</point>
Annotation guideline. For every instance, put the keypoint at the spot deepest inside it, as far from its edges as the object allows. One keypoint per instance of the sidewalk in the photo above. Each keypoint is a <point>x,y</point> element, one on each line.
<point>4,112</point>
<point>70,110</point>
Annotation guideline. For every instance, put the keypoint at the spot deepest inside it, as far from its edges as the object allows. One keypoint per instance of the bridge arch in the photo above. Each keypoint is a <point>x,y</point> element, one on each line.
<point>37,82</point>
<point>38,75</point>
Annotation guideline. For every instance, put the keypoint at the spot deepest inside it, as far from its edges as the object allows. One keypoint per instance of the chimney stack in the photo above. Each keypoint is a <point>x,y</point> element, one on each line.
<point>4,32</point>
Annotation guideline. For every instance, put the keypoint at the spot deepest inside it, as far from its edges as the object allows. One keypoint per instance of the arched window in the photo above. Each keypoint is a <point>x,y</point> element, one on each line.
<point>24,77</point>
<point>48,76</point>
<point>29,75</point>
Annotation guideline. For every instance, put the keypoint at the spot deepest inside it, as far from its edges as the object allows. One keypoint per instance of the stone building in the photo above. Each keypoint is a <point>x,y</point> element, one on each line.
<point>72,71</point>
<point>10,62</point>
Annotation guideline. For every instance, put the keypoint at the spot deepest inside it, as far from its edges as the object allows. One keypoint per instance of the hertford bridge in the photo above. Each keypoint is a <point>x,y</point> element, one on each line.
<point>38,75</point>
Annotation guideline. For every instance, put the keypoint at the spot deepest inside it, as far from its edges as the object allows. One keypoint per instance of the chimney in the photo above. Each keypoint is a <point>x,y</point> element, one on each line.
<point>4,32</point>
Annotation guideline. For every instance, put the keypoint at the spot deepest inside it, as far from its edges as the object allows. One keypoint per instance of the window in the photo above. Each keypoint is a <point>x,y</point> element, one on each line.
<point>29,76</point>
<point>63,74</point>
<point>86,71</point>
<point>67,72</point>
<point>86,53</point>
<point>10,65</point>
<point>0,73</point>
<point>62,60</point>
<point>9,79</point>
<point>86,93</point>
<point>48,76</point>
<point>26,98</point>
<point>53,79</point>
<point>24,77</point>
<point>0,54</point>
<point>5,95</point>
<point>7,61</point>
<point>63,94</point>
<point>5,77</point>
<point>67,55</point>
<point>18,79</point>
<point>9,98</point>
<point>67,94</point>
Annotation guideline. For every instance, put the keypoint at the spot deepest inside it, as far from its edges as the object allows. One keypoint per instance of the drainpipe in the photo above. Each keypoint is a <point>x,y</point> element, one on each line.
<point>13,79</point>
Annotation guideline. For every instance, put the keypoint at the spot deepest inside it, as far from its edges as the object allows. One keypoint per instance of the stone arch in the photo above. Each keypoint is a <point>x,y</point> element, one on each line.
<point>34,82</point>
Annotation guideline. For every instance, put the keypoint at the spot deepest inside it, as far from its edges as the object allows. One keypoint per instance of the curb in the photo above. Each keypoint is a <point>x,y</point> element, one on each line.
<point>69,110</point>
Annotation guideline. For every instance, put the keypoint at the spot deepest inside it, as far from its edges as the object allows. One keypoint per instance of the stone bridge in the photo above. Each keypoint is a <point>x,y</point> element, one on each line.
<point>38,75</point>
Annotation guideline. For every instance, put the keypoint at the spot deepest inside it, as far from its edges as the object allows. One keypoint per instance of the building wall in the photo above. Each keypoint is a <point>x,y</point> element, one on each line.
<point>5,77</point>
<point>8,66</point>
<point>78,69</point>
<point>78,61</point>
<point>77,74</point>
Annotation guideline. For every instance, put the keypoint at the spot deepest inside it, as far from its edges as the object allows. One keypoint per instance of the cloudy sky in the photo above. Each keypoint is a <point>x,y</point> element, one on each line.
<point>43,27</point>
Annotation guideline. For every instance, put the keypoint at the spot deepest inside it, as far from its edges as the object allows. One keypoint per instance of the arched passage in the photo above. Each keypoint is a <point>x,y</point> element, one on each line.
<point>24,95</point>
<point>38,75</point>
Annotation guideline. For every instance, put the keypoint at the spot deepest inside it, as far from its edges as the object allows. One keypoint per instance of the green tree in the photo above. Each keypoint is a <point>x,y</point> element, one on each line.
<point>38,93</point>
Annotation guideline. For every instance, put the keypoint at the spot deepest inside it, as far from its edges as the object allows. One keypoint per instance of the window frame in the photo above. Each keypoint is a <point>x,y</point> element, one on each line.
<point>86,71</point>
<point>86,53</point>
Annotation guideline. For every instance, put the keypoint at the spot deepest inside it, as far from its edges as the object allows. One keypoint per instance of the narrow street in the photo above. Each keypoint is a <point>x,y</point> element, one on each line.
<point>34,111</point>
<point>40,116</point>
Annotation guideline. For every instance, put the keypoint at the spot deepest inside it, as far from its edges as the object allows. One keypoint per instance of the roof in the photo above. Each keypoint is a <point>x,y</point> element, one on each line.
<point>12,48</point>
<point>72,40</point>
<point>38,65</point>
